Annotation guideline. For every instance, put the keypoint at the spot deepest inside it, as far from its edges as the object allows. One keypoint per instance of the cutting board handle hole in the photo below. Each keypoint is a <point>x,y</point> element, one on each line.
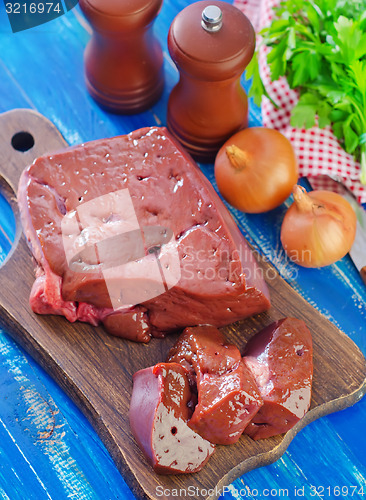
<point>22,141</point>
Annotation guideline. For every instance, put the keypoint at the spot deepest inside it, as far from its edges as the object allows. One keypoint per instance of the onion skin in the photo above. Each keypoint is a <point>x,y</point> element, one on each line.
<point>256,169</point>
<point>318,229</point>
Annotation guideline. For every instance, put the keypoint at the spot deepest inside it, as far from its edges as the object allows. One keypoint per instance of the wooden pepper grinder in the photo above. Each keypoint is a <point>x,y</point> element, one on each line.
<point>123,60</point>
<point>211,42</point>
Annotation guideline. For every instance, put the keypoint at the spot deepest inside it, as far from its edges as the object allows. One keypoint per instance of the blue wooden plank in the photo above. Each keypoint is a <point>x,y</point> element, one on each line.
<point>7,228</point>
<point>44,448</point>
<point>291,474</point>
<point>334,466</point>
<point>43,69</point>
<point>7,220</point>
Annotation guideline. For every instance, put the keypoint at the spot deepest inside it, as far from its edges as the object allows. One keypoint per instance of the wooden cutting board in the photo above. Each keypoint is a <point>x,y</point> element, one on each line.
<point>96,369</point>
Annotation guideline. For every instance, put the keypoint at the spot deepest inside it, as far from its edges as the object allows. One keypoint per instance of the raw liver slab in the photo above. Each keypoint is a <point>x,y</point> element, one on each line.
<point>159,412</point>
<point>228,397</point>
<point>219,283</point>
<point>281,359</point>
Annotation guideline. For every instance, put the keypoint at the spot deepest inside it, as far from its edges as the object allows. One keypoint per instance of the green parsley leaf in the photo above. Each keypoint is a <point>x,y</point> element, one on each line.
<point>257,89</point>
<point>350,39</point>
<point>277,60</point>
<point>303,114</point>
<point>357,70</point>
<point>350,137</point>
<point>305,66</point>
<point>320,47</point>
<point>323,112</point>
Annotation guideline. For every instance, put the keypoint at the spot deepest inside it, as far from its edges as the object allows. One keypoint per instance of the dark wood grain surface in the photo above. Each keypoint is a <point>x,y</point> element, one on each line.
<point>96,369</point>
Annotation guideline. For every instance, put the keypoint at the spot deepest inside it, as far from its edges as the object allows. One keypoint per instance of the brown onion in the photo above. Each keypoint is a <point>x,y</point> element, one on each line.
<point>256,169</point>
<point>318,229</point>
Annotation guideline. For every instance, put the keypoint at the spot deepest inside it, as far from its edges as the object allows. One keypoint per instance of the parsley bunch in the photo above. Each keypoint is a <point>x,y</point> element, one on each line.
<point>320,47</point>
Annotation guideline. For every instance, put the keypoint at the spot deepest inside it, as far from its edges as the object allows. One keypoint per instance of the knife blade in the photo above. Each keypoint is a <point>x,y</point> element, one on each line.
<point>358,250</point>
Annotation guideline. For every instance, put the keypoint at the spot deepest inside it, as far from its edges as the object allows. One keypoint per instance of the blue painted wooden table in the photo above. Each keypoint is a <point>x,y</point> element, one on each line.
<point>48,450</point>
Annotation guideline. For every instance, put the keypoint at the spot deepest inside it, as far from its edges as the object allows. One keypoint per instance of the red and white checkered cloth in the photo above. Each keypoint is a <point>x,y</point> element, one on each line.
<point>319,154</point>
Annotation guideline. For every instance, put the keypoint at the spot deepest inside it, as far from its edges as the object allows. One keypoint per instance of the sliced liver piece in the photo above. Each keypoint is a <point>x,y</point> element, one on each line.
<point>228,396</point>
<point>196,269</point>
<point>281,360</point>
<point>159,412</point>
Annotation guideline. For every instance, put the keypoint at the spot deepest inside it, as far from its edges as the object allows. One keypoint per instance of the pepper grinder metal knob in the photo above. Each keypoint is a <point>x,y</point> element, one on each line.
<point>211,43</point>
<point>211,18</point>
<point>123,60</point>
